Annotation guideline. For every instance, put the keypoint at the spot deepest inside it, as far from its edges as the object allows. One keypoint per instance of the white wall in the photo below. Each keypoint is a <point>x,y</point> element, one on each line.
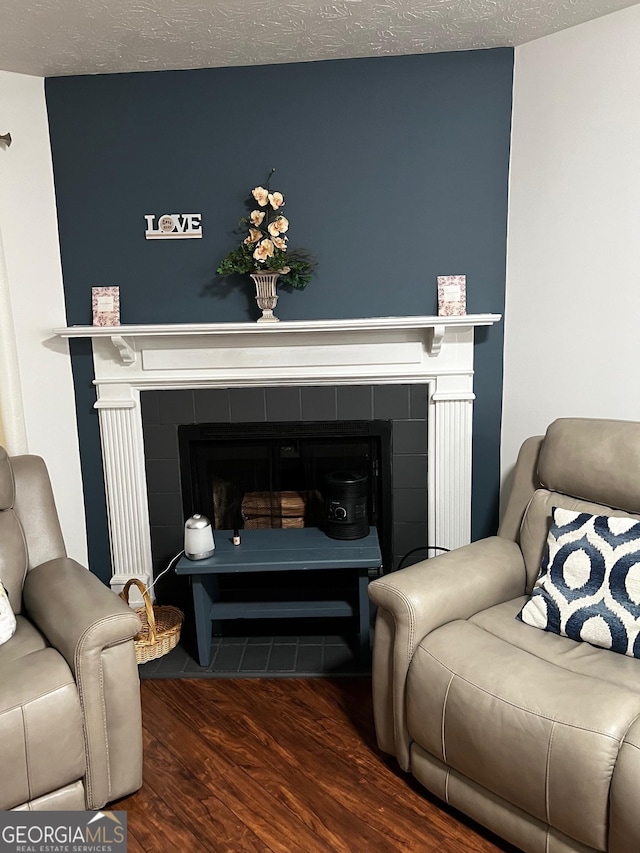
<point>572,333</point>
<point>28,225</point>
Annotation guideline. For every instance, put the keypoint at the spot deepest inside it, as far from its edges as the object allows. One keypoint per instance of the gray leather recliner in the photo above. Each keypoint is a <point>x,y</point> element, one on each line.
<point>70,719</point>
<point>532,734</point>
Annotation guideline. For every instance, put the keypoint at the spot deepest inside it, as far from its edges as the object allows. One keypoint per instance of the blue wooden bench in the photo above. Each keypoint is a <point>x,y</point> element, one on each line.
<point>280,550</point>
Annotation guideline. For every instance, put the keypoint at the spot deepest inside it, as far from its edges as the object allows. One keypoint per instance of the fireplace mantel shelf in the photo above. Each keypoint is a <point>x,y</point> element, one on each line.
<point>120,335</point>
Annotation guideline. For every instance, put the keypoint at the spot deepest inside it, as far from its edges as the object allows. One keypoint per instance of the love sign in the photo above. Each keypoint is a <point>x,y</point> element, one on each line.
<point>171,225</point>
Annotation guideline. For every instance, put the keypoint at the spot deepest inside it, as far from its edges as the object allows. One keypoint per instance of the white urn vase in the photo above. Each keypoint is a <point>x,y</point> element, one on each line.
<point>266,295</point>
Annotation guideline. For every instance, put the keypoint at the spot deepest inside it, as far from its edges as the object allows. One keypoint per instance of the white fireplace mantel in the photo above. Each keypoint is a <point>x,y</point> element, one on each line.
<point>434,351</point>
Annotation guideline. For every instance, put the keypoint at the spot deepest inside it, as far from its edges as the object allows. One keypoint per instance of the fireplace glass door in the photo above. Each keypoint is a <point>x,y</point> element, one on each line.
<point>275,474</point>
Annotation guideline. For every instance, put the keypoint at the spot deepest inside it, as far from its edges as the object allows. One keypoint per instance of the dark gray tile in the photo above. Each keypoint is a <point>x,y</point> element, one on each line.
<point>247,404</point>
<point>319,403</point>
<point>336,657</point>
<point>259,641</point>
<point>418,401</point>
<point>165,509</point>
<point>355,402</point>
<point>282,658</point>
<point>404,561</point>
<point>407,536</point>
<point>255,658</point>
<point>149,406</point>
<point>311,641</point>
<point>193,667</point>
<point>176,407</point>
<point>409,505</point>
<point>149,668</point>
<point>410,437</point>
<point>410,472</point>
<point>309,659</point>
<point>390,402</point>
<point>166,541</point>
<point>175,660</point>
<point>283,404</point>
<point>212,405</point>
<point>228,658</point>
<point>161,442</point>
<point>163,475</point>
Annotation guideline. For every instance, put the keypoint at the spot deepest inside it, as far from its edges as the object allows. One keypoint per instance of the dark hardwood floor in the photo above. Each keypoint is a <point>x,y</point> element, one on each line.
<point>279,766</point>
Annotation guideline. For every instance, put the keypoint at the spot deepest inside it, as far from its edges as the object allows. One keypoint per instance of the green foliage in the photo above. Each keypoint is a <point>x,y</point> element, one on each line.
<point>301,265</point>
<point>239,260</point>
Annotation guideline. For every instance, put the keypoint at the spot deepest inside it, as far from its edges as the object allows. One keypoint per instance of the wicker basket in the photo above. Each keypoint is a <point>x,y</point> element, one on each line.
<point>160,625</point>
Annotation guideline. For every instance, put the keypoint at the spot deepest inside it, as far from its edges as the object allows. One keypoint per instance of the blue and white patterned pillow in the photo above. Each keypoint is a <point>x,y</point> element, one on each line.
<point>589,583</point>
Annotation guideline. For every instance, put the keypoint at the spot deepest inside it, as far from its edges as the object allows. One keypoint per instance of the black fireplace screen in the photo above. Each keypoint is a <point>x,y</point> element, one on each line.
<point>275,474</point>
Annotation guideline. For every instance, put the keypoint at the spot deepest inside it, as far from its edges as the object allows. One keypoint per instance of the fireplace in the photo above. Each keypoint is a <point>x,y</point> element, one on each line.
<point>281,474</point>
<point>278,474</point>
<point>214,358</point>
<point>192,439</point>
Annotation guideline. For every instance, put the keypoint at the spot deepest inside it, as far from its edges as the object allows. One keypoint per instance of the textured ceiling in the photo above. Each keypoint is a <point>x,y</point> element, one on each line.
<point>58,37</point>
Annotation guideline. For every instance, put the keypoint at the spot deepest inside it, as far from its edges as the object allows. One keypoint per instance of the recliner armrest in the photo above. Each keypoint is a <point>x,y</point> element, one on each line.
<point>417,600</point>
<point>75,611</point>
<point>93,630</point>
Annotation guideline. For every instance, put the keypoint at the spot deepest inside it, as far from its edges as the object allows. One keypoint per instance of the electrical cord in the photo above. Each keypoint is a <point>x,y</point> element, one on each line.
<point>420,548</point>
<point>171,564</point>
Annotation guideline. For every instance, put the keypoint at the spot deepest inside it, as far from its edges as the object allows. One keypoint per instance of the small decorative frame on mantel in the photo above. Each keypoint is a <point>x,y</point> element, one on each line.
<point>452,295</point>
<point>105,306</point>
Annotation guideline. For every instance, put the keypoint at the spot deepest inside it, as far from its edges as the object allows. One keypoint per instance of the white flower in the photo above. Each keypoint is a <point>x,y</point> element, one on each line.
<point>257,216</point>
<point>261,195</point>
<point>280,243</point>
<point>279,225</point>
<point>254,236</point>
<point>276,200</point>
<point>263,250</point>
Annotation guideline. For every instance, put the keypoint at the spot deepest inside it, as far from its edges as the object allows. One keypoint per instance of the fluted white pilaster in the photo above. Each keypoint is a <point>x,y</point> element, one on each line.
<point>126,491</point>
<point>450,467</point>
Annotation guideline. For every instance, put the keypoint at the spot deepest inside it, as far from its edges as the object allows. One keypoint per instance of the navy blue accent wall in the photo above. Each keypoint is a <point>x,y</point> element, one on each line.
<point>394,170</point>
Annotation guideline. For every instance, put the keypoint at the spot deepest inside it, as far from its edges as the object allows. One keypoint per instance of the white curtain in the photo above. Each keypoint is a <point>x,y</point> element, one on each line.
<point>12,426</point>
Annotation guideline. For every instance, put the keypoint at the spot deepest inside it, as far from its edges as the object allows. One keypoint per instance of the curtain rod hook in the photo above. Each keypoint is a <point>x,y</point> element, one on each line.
<point>6,138</point>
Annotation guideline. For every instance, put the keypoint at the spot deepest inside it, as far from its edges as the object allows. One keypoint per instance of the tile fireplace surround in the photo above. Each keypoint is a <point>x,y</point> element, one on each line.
<point>435,351</point>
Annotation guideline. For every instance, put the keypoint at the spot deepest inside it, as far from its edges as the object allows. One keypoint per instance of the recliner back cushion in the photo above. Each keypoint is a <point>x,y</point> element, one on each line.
<point>594,460</point>
<point>537,521</point>
<point>13,557</point>
<point>13,549</point>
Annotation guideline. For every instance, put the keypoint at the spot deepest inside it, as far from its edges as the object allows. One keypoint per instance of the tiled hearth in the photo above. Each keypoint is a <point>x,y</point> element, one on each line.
<point>288,656</point>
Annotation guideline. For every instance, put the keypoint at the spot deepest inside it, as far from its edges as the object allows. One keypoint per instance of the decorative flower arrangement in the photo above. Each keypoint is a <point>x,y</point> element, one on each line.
<point>264,248</point>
